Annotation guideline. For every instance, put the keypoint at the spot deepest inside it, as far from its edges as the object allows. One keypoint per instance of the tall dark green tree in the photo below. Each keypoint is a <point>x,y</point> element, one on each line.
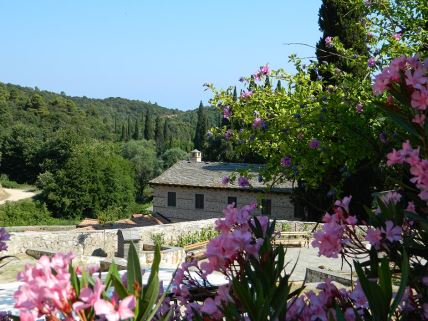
<point>142,125</point>
<point>129,129</point>
<point>167,136</point>
<point>201,129</point>
<point>136,134</point>
<point>123,133</point>
<point>159,137</point>
<point>342,19</point>
<point>235,95</point>
<point>149,130</point>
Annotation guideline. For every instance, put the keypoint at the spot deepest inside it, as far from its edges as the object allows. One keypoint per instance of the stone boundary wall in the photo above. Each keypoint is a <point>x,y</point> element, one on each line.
<point>106,241</point>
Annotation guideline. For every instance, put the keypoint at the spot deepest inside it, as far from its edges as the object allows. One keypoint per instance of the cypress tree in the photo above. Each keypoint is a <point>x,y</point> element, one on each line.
<point>235,95</point>
<point>123,134</point>
<point>342,19</point>
<point>149,131</point>
<point>252,85</point>
<point>201,129</point>
<point>136,134</point>
<point>167,135</point>
<point>115,124</point>
<point>128,133</point>
<point>159,134</point>
<point>267,82</point>
<point>142,124</point>
<point>278,86</point>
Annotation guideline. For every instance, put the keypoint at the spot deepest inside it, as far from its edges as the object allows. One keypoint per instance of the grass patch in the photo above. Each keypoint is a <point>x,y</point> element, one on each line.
<point>6,183</point>
<point>29,212</point>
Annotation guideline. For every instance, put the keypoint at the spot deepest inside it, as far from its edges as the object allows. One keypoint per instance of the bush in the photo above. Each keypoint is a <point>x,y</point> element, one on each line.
<point>111,214</point>
<point>93,179</point>
<point>205,234</point>
<point>28,212</point>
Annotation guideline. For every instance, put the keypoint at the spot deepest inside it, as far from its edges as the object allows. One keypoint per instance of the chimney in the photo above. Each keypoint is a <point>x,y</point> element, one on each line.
<point>196,156</point>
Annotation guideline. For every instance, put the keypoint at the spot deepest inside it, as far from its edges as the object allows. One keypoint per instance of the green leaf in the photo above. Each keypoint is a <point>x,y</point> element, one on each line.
<point>403,283</point>
<point>74,280</point>
<point>401,121</point>
<point>119,287</point>
<point>385,279</point>
<point>151,290</point>
<point>133,268</point>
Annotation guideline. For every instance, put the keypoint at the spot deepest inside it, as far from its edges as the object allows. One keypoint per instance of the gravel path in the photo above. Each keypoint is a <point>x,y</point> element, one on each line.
<point>16,195</point>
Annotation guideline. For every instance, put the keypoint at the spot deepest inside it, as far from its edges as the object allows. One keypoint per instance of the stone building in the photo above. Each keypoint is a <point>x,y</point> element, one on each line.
<point>193,190</point>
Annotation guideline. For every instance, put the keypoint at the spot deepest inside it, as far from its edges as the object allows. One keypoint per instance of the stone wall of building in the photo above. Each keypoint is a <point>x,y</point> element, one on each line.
<point>215,201</point>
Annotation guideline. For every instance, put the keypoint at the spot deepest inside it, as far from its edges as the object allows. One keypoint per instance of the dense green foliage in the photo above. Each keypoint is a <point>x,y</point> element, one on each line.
<point>28,212</point>
<point>327,134</point>
<point>94,178</point>
<point>90,157</point>
<point>337,20</point>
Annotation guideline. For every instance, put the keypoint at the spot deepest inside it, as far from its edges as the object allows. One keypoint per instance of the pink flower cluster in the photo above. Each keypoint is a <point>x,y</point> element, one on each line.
<point>235,244</point>
<point>48,291</point>
<point>318,306</point>
<point>235,240</point>
<point>418,166</point>
<point>263,71</point>
<point>414,72</point>
<point>4,236</point>
<point>331,238</point>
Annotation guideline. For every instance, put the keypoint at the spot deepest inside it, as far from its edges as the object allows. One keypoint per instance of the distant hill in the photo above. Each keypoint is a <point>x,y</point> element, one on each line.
<point>105,119</point>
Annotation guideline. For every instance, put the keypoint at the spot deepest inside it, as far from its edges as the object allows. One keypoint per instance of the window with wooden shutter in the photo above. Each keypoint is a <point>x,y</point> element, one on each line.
<point>232,200</point>
<point>172,199</point>
<point>199,201</point>
<point>266,207</point>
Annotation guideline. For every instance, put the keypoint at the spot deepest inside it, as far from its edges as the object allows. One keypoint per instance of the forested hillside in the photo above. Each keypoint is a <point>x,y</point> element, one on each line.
<point>91,157</point>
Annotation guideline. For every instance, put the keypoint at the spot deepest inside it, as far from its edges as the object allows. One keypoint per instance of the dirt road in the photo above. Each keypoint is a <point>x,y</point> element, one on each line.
<point>16,194</point>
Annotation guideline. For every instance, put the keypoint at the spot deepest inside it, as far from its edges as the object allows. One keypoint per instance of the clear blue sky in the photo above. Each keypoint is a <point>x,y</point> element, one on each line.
<point>162,51</point>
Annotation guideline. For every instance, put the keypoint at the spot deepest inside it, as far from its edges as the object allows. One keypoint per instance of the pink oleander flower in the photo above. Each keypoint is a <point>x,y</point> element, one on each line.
<point>417,79</point>
<point>419,99</point>
<point>329,240</point>
<point>329,42</point>
<point>397,36</point>
<point>227,112</point>
<point>113,312</point>
<point>209,306</point>
<point>359,108</point>
<point>88,296</point>
<point>391,198</point>
<point>265,69</point>
<point>373,236</point>
<point>358,296</point>
<point>419,119</point>
<point>411,207</point>
<point>344,202</point>
<point>392,233</point>
<point>258,123</point>
<point>314,143</point>
<point>371,62</point>
<point>286,161</point>
<point>246,94</point>
<point>46,287</point>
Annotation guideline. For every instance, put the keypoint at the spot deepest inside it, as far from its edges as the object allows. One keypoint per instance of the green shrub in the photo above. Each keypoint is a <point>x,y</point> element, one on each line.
<point>111,214</point>
<point>285,227</point>
<point>6,183</point>
<point>158,239</point>
<point>28,212</point>
<point>205,234</point>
